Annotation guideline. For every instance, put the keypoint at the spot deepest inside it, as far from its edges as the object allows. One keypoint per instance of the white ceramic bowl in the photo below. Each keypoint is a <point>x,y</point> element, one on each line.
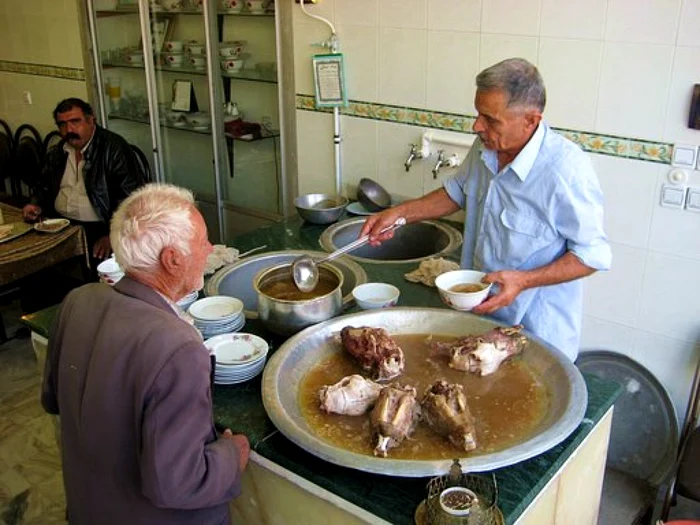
<point>109,271</point>
<point>464,301</point>
<point>375,295</point>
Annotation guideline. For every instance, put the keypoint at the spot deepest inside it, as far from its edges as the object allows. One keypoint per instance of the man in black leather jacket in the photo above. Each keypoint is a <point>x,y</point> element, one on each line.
<point>86,176</point>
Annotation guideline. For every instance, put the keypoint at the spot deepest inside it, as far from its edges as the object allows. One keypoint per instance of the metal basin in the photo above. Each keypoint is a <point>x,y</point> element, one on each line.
<point>288,366</point>
<point>411,243</point>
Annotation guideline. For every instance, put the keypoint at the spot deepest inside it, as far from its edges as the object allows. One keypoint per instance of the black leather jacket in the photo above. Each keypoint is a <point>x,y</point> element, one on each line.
<point>111,174</point>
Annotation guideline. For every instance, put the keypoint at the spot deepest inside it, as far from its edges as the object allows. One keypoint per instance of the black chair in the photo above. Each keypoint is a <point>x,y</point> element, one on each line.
<point>28,161</point>
<point>143,164</point>
<point>52,140</point>
<point>7,143</point>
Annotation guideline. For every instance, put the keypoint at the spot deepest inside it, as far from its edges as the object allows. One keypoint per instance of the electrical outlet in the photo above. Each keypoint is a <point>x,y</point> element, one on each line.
<point>27,97</point>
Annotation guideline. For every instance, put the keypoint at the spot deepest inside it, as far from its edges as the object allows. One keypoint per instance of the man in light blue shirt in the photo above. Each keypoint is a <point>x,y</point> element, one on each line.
<point>534,209</point>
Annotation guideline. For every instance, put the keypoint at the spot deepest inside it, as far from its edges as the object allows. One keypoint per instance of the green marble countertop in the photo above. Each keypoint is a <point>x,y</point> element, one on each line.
<point>394,499</point>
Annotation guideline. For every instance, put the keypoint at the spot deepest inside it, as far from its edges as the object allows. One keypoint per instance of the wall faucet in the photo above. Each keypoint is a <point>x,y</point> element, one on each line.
<point>444,162</point>
<point>413,155</point>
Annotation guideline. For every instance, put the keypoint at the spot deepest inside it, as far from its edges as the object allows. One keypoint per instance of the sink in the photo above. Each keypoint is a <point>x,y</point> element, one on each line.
<point>413,242</point>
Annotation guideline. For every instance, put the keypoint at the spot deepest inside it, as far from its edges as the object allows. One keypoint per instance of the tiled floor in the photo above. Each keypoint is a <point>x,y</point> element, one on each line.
<point>31,488</point>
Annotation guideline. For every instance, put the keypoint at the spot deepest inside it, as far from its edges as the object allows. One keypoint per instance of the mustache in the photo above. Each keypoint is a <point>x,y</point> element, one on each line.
<point>72,136</point>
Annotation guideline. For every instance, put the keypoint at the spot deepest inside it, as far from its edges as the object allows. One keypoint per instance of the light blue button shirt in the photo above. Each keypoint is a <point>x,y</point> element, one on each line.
<point>543,204</point>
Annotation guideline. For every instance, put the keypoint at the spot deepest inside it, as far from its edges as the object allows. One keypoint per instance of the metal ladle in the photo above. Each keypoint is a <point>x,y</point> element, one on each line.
<point>305,269</point>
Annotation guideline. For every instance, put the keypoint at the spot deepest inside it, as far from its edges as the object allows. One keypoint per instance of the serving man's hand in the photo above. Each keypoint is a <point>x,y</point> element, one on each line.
<point>243,447</point>
<point>377,222</point>
<point>31,212</point>
<point>102,248</point>
<point>510,282</point>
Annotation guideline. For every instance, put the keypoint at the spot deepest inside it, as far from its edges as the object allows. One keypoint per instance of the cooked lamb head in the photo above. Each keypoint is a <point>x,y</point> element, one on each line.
<point>394,417</point>
<point>375,350</point>
<point>351,396</point>
<point>444,407</point>
<point>483,354</point>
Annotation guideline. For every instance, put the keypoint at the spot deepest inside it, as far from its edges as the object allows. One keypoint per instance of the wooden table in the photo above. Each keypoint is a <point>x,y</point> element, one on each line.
<point>34,251</point>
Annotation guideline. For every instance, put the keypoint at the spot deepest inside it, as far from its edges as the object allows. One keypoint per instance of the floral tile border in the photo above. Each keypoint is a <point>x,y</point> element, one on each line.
<point>43,70</point>
<point>592,142</point>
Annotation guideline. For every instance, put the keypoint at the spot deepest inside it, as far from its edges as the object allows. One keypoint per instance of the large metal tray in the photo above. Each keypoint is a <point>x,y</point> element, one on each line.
<point>288,366</point>
<point>236,280</point>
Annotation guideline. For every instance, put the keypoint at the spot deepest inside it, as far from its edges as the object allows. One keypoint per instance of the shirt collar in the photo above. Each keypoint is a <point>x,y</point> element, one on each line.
<point>523,162</point>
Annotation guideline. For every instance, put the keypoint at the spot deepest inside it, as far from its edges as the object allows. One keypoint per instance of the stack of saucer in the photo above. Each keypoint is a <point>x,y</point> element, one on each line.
<point>239,357</point>
<point>187,301</point>
<point>216,315</point>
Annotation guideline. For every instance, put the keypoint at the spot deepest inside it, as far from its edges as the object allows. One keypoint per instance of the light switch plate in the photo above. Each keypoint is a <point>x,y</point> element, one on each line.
<point>684,155</point>
<point>692,200</point>
<point>672,196</point>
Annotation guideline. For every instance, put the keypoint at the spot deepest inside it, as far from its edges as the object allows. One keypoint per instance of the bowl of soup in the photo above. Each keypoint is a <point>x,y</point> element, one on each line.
<point>284,309</point>
<point>462,289</point>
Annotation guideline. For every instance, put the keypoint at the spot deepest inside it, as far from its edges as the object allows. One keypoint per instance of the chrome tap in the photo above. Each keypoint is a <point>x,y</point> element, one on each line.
<point>412,155</point>
<point>439,164</point>
<point>444,162</point>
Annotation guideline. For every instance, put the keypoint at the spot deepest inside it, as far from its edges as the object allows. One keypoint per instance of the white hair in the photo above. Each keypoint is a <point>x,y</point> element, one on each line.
<point>150,219</point>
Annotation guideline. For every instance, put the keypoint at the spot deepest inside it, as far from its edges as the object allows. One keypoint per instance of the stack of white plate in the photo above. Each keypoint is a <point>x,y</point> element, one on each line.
<point>187,301</point>
<point>216,315</point>
<point>239,357</point>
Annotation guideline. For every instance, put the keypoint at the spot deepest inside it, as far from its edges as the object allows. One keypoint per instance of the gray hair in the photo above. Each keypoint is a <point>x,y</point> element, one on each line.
<point>150,219</point>
<point>520,80</point>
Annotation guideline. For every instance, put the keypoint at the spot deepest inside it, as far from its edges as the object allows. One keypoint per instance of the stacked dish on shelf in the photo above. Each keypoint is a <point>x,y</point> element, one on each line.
<point>217,315</point>
<point>239,357</point>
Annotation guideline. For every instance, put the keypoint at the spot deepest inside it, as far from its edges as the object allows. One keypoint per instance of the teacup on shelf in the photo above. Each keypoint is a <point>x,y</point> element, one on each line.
<point>135,58</point>
<point>232,65</point>
<point>256,6</point>
<point>232,6</point>
<point>231,49</point>
<point>194,48</point>
<point>199,121</point>
<point>198,61</point>
<point>173,59</point>
<point>173,46</point>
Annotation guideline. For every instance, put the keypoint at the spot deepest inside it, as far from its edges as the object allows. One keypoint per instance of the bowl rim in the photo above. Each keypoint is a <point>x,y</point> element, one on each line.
<point>396,292</point>
<point>344,201</point>
<point>442,288</point>
<point>262,273</point>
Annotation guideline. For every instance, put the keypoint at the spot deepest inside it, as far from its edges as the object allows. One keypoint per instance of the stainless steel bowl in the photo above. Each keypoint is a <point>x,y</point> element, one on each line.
<point>286,317</point>
<point>320,208</point>
<point>372,196</point>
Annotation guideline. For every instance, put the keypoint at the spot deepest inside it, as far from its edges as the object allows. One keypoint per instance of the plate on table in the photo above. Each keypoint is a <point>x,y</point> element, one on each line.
<point>216,308</point>
<point>237,349</point>
<point>13,230</point>
<point>52,225</point>
<point>356,208</point>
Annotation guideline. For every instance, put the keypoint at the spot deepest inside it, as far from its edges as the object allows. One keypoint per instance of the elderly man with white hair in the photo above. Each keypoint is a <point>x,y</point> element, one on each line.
<point>130,379</point>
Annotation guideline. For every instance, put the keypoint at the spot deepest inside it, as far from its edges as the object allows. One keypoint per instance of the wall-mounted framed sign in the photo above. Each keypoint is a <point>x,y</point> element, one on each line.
<point>329,80</point>
<point>183,96</point>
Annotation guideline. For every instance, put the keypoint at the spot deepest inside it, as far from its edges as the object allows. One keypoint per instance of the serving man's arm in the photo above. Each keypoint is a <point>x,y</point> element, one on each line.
<point>511,282</point>
<point>435,204</point>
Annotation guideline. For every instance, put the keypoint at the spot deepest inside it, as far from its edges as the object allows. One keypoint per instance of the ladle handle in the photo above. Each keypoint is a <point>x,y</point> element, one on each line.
<point>361,241</point>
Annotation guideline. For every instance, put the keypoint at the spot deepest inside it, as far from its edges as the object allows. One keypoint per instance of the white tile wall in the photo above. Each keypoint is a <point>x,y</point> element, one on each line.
<point>633,89</point>
<point>599,334</point>
<point>643,21</point>
<point>516,17</point>
<point>686,64</point>
<point>306,34</point>
<point>357,12</point>
<point>688,33</point>
<point>629,188</point>
<point>326,9</point>
<point>361,43</point>
<point>573,18</point>
<point>452,59</point>
<point>407,14</point>
<point>402,66</point>
<point>494,48</point>
<point>315,157</point>
<point>359,151</point>
<point>614,295</point>
<point>393,148</point>
<point>571,69</point>
<point>669,303</point>
<point>675,231</point>
<point>454,15</point>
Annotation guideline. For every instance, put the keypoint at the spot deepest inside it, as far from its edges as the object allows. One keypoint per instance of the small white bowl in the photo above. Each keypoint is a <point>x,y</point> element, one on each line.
<point>375,295</point>
<point>464,301</point>
<point>109,271</point>
<point>465,498</point>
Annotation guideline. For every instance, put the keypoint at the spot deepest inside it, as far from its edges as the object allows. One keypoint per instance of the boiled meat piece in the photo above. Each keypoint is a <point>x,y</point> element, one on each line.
<point>351,396</point>
<point>483,354</point>
<point>444,407</point>
<point>375,350</point>
<point>394,417</point>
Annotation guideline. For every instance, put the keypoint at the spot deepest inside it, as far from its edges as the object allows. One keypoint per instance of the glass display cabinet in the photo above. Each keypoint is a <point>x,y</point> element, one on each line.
<point>195,84</point>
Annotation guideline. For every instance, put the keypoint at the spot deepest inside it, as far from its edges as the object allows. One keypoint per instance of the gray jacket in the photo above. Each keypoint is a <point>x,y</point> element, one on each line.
<point>131,382</point>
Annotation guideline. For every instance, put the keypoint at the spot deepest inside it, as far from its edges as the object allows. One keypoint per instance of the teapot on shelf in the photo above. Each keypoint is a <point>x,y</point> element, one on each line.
<point>231,111</point>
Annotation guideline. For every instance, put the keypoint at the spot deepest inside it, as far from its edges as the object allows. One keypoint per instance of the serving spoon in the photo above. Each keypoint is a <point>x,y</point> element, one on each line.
<point>305,269</point>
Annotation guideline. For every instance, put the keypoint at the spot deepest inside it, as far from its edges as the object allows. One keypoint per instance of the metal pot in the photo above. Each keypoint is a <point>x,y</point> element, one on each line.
<point>286,317</point>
